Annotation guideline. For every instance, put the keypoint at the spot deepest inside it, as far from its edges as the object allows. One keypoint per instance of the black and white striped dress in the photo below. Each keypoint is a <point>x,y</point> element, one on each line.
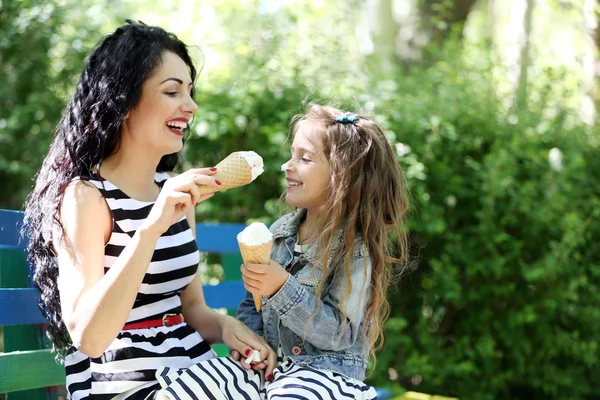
<point>226,379</point>
<point>128,367</point>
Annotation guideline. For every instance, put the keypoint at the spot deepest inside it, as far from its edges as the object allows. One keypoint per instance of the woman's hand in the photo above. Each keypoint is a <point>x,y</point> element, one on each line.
<point>264,279</point>
<point>177,196</point>
<point>242,340</point>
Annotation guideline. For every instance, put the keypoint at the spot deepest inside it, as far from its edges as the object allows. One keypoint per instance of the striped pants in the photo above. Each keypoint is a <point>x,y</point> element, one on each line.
<point>225,379</point>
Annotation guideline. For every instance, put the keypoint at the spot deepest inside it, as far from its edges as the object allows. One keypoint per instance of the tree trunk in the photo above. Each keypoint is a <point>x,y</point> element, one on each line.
<point>597,55</point>
<point>491,19</point>
<point>377,33</point>
<point>404,27</point>
<point>438,17</point>
<point>525,57</point>
<point>590,98</point>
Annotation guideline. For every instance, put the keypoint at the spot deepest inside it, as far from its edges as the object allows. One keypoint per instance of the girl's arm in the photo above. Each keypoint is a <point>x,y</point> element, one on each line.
<point>319,322</point>
<point>248,315</point>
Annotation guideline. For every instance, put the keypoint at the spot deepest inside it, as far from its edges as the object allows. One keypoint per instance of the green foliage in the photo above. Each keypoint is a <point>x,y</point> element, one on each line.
<point>504,302</point>
<point>42,48</point>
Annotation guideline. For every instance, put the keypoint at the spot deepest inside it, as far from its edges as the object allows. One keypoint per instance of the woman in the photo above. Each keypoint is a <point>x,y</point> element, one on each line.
<point>111,229</point>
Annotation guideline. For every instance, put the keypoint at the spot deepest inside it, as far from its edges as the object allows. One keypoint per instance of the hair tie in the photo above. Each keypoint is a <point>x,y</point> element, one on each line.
<point>347,118</point>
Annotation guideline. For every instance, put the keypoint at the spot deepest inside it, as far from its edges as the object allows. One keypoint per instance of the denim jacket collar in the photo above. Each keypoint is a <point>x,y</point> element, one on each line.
<point>289,227</point>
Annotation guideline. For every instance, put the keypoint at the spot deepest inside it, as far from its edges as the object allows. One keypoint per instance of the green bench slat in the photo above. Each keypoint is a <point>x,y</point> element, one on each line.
<point>29,369</point>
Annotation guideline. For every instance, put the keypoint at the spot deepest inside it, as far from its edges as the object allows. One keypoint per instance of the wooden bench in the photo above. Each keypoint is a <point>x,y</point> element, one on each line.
<point>27,367</point>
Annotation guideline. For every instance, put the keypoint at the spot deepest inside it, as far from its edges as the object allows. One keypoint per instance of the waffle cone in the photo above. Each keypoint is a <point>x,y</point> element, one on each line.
<point>260,254</point>
<point>232,171</point>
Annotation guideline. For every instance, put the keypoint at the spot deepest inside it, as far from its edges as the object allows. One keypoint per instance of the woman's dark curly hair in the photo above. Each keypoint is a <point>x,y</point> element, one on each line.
<point>89,131</point>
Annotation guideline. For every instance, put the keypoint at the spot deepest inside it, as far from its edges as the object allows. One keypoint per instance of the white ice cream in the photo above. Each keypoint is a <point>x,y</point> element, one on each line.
<point>254,161</point>
<point>255,234</point>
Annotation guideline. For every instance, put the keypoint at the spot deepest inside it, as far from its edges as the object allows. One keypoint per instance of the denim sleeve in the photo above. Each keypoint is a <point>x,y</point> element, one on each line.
<point>328,329</point>
<point>248,314</point>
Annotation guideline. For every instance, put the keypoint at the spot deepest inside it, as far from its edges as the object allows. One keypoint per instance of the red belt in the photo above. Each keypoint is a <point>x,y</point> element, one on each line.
<point>166,320</point>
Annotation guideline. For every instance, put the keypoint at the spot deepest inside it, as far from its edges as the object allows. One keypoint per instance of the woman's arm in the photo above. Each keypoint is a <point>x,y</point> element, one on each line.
<point>96,305</point>
<point>199,315</point>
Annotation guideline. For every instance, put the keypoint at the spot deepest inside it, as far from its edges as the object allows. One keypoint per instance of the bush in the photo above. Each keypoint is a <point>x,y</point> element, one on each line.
<point>504,301</point>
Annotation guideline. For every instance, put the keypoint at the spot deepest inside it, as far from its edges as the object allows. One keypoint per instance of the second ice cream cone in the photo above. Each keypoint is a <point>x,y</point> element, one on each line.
<point>259,254</point>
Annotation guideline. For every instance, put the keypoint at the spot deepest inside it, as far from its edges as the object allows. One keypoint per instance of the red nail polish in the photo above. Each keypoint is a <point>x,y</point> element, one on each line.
<point>217,182</point>
<point>270,377</point>
<point>248,352</point>
<point>213,169</point>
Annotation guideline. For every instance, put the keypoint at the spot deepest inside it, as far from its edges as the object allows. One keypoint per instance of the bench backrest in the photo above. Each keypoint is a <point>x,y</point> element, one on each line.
<point>26,362</point>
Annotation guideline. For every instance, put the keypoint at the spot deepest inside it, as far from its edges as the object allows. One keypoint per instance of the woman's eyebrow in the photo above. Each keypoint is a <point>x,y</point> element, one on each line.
<point>176,80</point>
<point>173,79</point>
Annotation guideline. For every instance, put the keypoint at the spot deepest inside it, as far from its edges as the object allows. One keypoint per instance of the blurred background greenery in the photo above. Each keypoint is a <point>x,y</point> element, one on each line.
<point>491,106</point>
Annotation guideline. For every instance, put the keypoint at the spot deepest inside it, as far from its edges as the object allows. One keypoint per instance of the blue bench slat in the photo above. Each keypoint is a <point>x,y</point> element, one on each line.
<point>211,237</point>
<point>218,238</point>
<point>10,226</point>
<point>383,394</point>
<point>19,306</point>
<point>227,294</point>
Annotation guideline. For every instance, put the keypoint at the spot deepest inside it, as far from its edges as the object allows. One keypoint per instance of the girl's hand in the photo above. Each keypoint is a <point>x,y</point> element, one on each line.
<point>256,365</point>
<point>177,196</point>
<point>241,340</point>
<point>264,279</point>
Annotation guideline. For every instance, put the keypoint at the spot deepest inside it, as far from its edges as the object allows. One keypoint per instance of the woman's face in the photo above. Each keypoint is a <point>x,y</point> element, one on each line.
<point>156,124</point>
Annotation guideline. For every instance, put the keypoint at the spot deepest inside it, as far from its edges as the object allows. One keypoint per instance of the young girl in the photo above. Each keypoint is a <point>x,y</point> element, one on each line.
<point>324,292</point>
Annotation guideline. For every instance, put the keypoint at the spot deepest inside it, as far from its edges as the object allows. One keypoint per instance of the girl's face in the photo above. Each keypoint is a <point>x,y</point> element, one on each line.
<point>165,108</point>
<point>307,172</point>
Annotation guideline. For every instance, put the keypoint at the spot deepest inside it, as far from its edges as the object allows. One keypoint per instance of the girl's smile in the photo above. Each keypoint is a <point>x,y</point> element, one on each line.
<point>292,183</point>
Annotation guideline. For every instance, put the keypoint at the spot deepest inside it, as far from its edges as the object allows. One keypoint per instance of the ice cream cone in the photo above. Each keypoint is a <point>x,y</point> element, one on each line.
<point>232,171</point>
<point>258,254</point>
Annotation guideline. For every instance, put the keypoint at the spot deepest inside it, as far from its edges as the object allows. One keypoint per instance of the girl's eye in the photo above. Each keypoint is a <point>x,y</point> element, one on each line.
<point>172,94</point>
<point>304,159</point>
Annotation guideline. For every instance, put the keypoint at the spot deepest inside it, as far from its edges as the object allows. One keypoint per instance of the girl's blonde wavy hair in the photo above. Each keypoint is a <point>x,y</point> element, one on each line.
<point>367,199</point>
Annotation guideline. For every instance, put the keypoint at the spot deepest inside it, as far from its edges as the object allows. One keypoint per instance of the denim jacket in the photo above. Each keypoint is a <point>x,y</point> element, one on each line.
<point>324,341</point>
